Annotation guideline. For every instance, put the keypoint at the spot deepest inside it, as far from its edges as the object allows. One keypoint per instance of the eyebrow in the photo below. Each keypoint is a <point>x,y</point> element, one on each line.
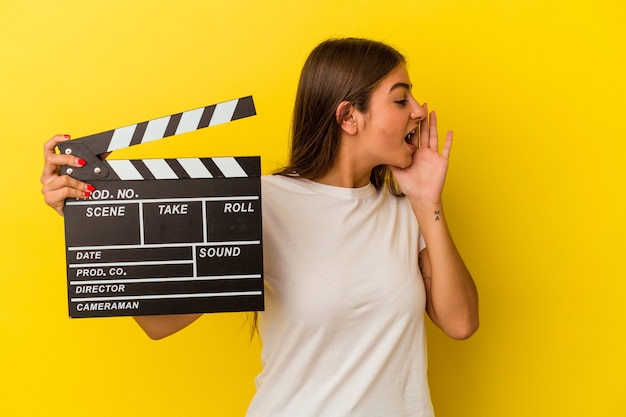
<point>400,85</point>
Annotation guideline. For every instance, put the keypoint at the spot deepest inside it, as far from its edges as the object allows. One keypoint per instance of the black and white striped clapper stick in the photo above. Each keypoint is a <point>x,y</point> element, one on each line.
<point>88,147</point>
<point>165,236</point>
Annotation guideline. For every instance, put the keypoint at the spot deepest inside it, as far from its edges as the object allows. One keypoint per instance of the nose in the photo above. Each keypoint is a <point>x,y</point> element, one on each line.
<point>419,111</point>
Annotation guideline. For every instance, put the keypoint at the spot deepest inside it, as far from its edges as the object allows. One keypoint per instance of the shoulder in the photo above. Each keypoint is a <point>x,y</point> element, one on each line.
<point>278,189</point>
<point>276,182</point>
<point>282,183</point>
<point>274,179</point>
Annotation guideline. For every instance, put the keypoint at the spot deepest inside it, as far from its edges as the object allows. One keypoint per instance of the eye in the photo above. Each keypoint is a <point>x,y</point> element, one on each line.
<point>402,102</point>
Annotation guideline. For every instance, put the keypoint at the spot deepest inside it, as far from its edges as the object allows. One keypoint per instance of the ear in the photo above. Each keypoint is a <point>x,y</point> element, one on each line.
<point>345,115</point>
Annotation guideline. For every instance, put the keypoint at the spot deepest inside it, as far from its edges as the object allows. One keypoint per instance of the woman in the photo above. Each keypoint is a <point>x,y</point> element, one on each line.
<point>356,244</point>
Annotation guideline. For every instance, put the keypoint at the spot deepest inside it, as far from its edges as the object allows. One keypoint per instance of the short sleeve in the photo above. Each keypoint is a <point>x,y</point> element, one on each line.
<point>422,243</point>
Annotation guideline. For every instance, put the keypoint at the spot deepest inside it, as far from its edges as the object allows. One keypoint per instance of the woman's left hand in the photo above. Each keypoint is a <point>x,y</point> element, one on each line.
<point>423,180</point>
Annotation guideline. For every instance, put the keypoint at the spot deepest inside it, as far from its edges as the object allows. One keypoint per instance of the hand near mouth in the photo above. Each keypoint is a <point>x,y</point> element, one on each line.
<point>424,179</point>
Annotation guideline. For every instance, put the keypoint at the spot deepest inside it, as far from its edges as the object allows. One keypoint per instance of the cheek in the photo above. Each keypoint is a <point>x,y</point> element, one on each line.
<point>386,129</point>
<point>393,125</point>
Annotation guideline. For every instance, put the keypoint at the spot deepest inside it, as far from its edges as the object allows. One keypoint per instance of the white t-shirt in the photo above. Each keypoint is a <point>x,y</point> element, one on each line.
<point>343,329</point>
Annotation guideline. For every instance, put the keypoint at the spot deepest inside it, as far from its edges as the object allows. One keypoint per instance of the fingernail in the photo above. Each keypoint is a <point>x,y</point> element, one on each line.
<point>90,187</point>
<point>81,162</point>
<point>87,193</point>
<point>66,136</point>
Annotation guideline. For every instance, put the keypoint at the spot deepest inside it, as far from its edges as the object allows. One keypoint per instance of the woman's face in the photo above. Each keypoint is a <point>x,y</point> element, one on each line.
<point>392,118</point>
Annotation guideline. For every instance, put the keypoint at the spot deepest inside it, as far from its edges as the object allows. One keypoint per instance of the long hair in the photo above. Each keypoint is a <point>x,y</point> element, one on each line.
<point>337,70</point>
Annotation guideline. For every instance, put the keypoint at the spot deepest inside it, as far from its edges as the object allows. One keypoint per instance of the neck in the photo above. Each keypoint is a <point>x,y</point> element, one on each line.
<point>343,179</point>
<point>348,170</point>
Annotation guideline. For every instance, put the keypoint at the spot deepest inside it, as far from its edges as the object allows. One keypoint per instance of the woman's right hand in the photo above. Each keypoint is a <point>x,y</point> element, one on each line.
<point>56,188</point>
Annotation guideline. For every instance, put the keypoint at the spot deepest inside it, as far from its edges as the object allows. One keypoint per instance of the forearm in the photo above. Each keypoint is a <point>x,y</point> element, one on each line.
<point>158,327</point>
<point>452,298</point>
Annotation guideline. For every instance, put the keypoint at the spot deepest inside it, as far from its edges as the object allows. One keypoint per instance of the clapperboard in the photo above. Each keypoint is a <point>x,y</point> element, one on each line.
<point>164,236</point>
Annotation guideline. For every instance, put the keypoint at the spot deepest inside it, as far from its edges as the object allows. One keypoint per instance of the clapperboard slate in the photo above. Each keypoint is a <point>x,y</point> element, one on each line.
<point>164,236</point>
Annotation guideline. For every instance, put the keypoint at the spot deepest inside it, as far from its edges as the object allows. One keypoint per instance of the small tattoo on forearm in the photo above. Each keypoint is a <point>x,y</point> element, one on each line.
<point>436,215</point>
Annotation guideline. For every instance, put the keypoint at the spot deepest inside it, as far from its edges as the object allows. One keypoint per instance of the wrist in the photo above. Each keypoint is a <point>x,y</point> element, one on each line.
<point>426,204</point>
<point>427,211</point>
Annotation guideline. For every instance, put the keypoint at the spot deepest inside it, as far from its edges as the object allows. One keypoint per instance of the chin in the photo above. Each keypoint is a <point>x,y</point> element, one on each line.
<point>403,164</point>
<point>401,160</point>
<point>408,161</point>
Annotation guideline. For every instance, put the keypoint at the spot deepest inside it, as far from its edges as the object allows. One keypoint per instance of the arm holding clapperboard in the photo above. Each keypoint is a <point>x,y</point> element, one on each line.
<point>56,188</point>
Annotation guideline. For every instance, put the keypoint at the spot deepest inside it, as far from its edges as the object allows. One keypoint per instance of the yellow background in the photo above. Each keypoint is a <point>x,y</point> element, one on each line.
<point>533,89</point>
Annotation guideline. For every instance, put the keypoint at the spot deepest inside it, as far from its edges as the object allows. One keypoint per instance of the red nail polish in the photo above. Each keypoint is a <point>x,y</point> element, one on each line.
<point>66,136</point>
<point>90,187</point>
<point>81,162</point>
<point>87,193</point>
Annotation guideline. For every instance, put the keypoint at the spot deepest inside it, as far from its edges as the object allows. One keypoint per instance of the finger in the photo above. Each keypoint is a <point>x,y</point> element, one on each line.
<point>423,139</point>
<point>56,198</point>
<point>49,149</point>
<point>433,136</point>
<point>51,144</point>
<point>447,146</point>
<point>53,161</point>
<point>57,159</point>
<point>57,190</point>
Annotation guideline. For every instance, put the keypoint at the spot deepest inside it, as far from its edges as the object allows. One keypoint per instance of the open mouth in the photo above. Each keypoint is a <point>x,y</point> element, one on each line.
<point>408,137</point>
